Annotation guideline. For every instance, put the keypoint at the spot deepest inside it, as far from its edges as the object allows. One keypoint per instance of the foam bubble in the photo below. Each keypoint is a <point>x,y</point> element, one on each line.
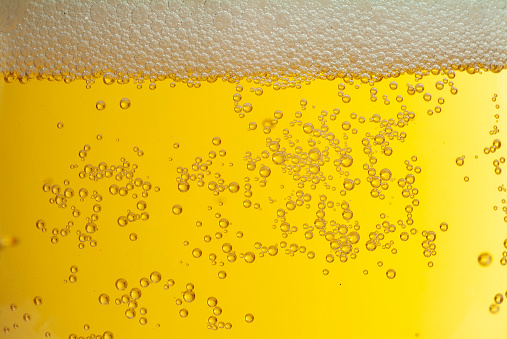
<point>273,38</point>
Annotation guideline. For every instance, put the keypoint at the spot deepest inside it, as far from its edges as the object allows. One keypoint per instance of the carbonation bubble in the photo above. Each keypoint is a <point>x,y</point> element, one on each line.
<point>222,274</point>
<point>216,141</point>
<point>83,193</point>
<point>144,282</point>
<point>444,227</point>
<point>100,105</point>
<point>385,174</point>
<point>264,171</point>
<point>183,313</point>
<point>233,187</point>
<point>498,298</point>
<point>212,301</point>
<point>177,209</point>
<point>494,308</point>
<point>226,247</point>
<point>124,103</point>
<point>122,221</point>
<point>272,250</point>
<point>104,299</point>
<point>188,296</point>
<point>249,317</point>
<point>135,293</point>
<point>391,273</point>
<point>223,223</point>
<point>485,259</point>
<point>155,277</point>
<point>130,313</point>
<point>41,224</point>
<point>249,257</point>
<point>460,161</point>
<point>121,284</point>
<point>183,186</point>
<point>133,236</point>
<point>27,317</point>
<point>404,236</point>
<point>197,253</point>
<point>141,205</point>
<point>37,301</point>
<point>59,125</point>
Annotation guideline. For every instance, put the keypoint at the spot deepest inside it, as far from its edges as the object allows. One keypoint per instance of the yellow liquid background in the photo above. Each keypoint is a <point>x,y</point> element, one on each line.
<point>289,296</point>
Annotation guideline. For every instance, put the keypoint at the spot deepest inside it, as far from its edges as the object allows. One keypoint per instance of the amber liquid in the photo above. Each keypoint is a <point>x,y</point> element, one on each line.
<point>289,293</point>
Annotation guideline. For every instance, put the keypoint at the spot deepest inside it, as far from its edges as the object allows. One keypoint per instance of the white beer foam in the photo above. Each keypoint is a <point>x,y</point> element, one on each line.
<point>207,39</point>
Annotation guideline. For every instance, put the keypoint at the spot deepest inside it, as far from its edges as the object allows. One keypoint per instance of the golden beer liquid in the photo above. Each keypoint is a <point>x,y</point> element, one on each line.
<point>335,208</point>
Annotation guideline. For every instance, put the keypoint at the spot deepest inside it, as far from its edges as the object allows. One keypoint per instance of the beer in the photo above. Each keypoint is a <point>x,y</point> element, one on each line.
<point>255,168</point>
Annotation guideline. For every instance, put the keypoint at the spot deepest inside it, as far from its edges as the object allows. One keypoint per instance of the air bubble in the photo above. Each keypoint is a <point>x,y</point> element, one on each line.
<point>125,103</point>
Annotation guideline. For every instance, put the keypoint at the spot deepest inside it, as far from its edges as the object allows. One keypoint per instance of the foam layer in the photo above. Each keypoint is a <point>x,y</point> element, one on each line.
<point>206,39</point>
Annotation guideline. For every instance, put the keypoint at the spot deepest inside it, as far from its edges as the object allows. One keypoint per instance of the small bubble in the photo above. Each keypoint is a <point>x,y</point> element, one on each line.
<point>249,257</point>
<point>37,301</point>
<point>155,277</point>
<point>177,209</point>
<point>494,308</point>
<point>100,105</point>
<point>27,317</point>
<point>498,298</point>
<point>59,125</point>
<point>144,282</point>
<point>223,223</point>
<point>444,227</point>
<point>485,259</point>
<point>188,296</point>
<point>249,317</point>
<point>133,236</point>
<point>104,299</point>
<point>197,253</point>
<point>124,103</point>
<point>216,141</point>
<point>212,301</point>
<point>130,313</point>
<point>141,205</point>
<point>121,284</point>
<point>460,161</point>
<point>135,293</point>
<point>222,274</point>
<point>183,313</point>
<point>391,273</point>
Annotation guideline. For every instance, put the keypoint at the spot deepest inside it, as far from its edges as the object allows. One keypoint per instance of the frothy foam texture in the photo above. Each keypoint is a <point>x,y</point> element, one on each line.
<point>208,39</point>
